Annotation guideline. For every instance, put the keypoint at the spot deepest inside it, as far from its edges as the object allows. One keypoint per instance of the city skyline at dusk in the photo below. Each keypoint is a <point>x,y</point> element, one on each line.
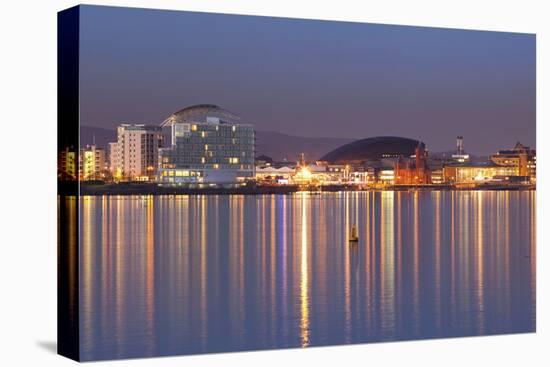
<point>311,78</point>
<point>237,183</point>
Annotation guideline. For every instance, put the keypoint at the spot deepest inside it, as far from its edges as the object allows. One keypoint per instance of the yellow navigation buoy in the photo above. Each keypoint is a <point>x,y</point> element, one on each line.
<point>353,237</point>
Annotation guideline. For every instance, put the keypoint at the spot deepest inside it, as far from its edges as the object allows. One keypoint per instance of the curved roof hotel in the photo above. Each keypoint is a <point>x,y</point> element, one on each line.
<point>209,145</point>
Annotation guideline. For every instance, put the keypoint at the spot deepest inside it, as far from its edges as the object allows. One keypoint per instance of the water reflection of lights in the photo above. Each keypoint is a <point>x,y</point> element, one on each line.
<point>150,272</point>
<point>286,252</point>
<point>437,243</point>
<point>416,276</point>
<point>387,259</point>
<point>347,290</point>
<point>479,246</point>
<point>304,281</point>
<point>203,271</point>
<point>87,270</point>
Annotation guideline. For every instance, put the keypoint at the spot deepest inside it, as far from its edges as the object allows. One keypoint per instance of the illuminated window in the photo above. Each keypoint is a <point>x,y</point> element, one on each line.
<point>194,127</point>
<point>203,159</point>
<point>206,147</point>
<point>216,166</point>
<point>181,129</point>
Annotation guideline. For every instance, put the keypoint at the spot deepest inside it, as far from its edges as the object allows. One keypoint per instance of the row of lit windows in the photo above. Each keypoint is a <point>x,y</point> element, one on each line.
<point>221,147</point>
<point>209,153</point>
<point>202,160</point>
<point>222,128</point>
<point>180,173</point>
<point>214,140</point>
<point>209,166</point>
<point>218,150</point>
<point>214,146</point>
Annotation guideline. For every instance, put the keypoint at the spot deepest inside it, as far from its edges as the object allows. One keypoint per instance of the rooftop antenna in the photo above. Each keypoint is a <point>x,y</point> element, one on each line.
<point>93,138</point>
<point>459,145</point>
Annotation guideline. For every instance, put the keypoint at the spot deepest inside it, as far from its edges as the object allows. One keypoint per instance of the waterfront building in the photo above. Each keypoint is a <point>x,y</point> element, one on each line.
<point>365,151</point>
<point>115,161</point>
<point>209,145</point>
<point>478,172</point>
<point>386,176</point>
<point>323,173</point>
<point>274,175</point>
<point>134,156</point>
<point>376,172</point>
<point>436,175</point>
<point>520,156</point>
<point>91,165</point>
<point>382,160</point>
<point>413,170</point>
<point>317,173</point>
<point>341,173</point>
<point>67,164</point>
<point>359,176</point>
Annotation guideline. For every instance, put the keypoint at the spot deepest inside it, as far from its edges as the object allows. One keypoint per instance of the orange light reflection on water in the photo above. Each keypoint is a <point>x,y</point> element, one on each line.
<point>304,278</point>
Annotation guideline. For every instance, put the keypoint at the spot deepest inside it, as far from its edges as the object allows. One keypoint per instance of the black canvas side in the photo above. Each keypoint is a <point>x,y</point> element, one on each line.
<point>68,337</point>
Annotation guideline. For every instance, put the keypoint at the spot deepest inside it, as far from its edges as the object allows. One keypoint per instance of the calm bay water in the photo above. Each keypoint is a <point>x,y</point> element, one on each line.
<point>195,274</point>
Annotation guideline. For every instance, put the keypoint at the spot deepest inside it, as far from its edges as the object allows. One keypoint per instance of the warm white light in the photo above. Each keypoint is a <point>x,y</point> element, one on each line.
<point>304,173</point>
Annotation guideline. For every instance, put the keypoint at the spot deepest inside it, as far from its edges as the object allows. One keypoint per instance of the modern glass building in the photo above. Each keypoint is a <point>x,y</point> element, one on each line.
<point>209,146</point>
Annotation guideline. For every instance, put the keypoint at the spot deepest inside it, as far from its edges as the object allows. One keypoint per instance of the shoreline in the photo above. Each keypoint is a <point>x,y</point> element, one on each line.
<point>100,189</point>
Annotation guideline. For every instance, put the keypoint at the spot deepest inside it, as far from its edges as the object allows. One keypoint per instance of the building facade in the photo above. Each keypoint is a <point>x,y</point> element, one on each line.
<point>414,170</point>
<point>67,165</point>
<point>134,156</point>
<point>522,157</point>
<point>91,165</point>
<point>208,146</point>
<point>477,173</point>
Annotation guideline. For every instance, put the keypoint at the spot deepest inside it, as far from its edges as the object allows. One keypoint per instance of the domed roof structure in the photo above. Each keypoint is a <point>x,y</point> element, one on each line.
<point>373,149</point>
<point>198,113</point>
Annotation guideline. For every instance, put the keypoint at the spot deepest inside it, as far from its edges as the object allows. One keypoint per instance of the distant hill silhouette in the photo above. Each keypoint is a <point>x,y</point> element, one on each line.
<point>282,146</point>
<point>273,144</point>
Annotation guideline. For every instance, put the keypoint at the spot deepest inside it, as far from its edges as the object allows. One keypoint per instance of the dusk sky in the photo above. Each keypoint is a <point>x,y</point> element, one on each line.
<point>310,78</point>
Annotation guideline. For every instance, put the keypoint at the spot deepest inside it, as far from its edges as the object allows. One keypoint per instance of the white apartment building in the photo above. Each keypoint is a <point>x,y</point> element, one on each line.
<point>115,158</point>
<point>134,156</point>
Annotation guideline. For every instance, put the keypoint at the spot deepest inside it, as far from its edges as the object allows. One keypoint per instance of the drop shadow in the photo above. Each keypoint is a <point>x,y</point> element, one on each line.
<point>48,345</point>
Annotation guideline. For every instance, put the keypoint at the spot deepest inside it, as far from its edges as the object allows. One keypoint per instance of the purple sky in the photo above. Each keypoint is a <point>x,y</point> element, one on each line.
<point>310,78</point>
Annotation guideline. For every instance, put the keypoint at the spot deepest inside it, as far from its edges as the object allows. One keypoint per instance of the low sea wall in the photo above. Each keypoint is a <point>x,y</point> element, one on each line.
<point>139,188</point>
